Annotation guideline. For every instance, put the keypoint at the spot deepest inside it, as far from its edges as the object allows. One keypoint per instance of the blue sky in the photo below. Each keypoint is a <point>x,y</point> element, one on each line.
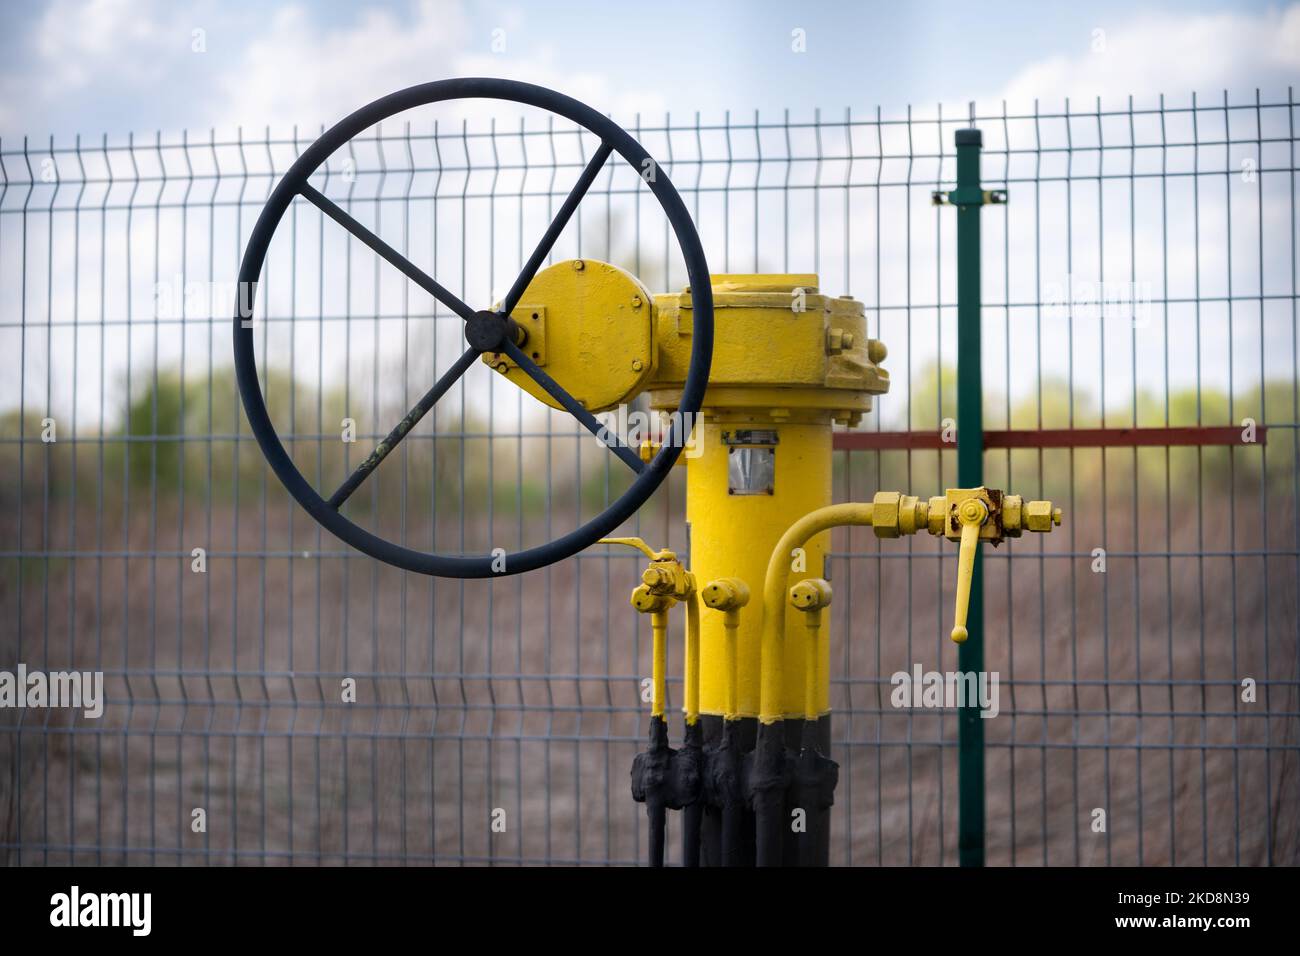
<point>114,66</point>
<point>88,67</point>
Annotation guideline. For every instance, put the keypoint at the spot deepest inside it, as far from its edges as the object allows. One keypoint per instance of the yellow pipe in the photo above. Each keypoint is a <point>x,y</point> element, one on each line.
<point>659,689</point>
<point>729,595</point>
<point>810,666</point>
<point>810,596</point>
<point>731,628</point>
<point>774,594</point>
<point>692,658</point>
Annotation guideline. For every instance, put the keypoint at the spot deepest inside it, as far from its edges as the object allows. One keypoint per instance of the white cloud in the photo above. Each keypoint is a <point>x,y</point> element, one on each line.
<point>1170,53</point>
<point>128,64</point>
<point>297,71</point>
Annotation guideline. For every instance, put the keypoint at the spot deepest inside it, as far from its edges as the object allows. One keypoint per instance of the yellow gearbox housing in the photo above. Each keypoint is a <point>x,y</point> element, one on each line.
<point>590,325</point>
<point>778,341</point>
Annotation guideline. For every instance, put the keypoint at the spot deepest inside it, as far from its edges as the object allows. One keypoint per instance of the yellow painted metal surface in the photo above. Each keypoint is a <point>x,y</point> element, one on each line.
<point>811,597</point>
<point>590,325</point>
<point>664,583</point>
<point>779,694</point>
<point>728,595</point>
<point>732,537</point>
<point>789,361</point>
<point>973,516</point>
<point>779,343</point>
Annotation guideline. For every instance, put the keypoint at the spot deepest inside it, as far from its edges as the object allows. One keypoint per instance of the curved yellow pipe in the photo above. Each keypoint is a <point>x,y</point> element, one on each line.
<point>775,593</point>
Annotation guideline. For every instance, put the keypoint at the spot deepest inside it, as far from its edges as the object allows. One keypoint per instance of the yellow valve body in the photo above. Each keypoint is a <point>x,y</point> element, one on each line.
<point>733,536</point>
<point>787,362</point>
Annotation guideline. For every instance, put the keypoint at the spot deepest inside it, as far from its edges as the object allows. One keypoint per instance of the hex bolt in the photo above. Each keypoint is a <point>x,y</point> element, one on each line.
<point>578,265</point>
<point>1040,516</point>
<point>657,578</point>
<point>637,365</point>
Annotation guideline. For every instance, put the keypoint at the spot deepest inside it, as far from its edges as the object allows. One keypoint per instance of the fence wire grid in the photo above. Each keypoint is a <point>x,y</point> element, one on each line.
<point>272,697</point>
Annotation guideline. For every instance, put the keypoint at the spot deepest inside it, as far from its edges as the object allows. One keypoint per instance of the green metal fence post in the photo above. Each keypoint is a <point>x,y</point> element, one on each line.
<point>968,197</point>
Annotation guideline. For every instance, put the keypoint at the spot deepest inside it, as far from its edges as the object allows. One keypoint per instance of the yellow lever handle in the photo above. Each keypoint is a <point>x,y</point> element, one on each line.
<point>972,514</point>
<point>641,546</point>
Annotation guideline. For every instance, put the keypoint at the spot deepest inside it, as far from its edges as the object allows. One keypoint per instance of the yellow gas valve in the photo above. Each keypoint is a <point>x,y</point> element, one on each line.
<point>666,576</point>
<point>664,583</point>
<point>965,515</point>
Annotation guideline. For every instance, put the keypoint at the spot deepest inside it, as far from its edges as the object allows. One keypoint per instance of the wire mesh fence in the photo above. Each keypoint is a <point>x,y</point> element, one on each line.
<point>272,697</point>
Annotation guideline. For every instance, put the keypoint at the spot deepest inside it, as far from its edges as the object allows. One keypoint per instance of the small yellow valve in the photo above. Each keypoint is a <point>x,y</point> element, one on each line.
<point>965,515</point>
<point>974,515</point>
<point>665,582</point>
<point>666,575</point>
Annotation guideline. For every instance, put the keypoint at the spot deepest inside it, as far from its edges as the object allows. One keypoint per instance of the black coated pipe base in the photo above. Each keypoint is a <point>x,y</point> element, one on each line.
<point>667,779</point>
<point>754,772</point>
<point>688,772</point>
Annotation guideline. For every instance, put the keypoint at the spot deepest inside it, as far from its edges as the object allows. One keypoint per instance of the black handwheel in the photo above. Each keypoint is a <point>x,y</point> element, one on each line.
<point>485,330</point>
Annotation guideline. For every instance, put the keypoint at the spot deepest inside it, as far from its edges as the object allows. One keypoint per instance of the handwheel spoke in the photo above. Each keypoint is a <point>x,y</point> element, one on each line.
<point>421,407</point>
<point>553,388</point>
<point>408,268</point>
<point>556,227</point>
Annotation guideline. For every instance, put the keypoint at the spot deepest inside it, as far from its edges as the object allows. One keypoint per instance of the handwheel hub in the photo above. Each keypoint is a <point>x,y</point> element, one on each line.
<point>489,331</point>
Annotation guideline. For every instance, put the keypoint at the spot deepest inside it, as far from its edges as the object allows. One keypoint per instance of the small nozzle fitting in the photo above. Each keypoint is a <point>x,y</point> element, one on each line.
<point>811,595</point>
<point>725,594</point>
<point>647,601</point>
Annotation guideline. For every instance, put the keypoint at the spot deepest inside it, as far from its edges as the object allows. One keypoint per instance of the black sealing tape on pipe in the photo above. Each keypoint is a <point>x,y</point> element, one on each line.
<point>801,775</point>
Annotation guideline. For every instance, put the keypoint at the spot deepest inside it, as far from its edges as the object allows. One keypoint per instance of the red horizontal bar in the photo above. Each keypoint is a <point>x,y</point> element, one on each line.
<point>1055,438</point>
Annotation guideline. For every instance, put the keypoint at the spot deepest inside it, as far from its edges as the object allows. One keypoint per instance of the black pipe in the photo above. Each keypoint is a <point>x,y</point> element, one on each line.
<point>815,777</point>
<point>769,778</point>
<point>688,766</point>
<point>650,785</point>
<point>655,810</point>
<point>731,796</point>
